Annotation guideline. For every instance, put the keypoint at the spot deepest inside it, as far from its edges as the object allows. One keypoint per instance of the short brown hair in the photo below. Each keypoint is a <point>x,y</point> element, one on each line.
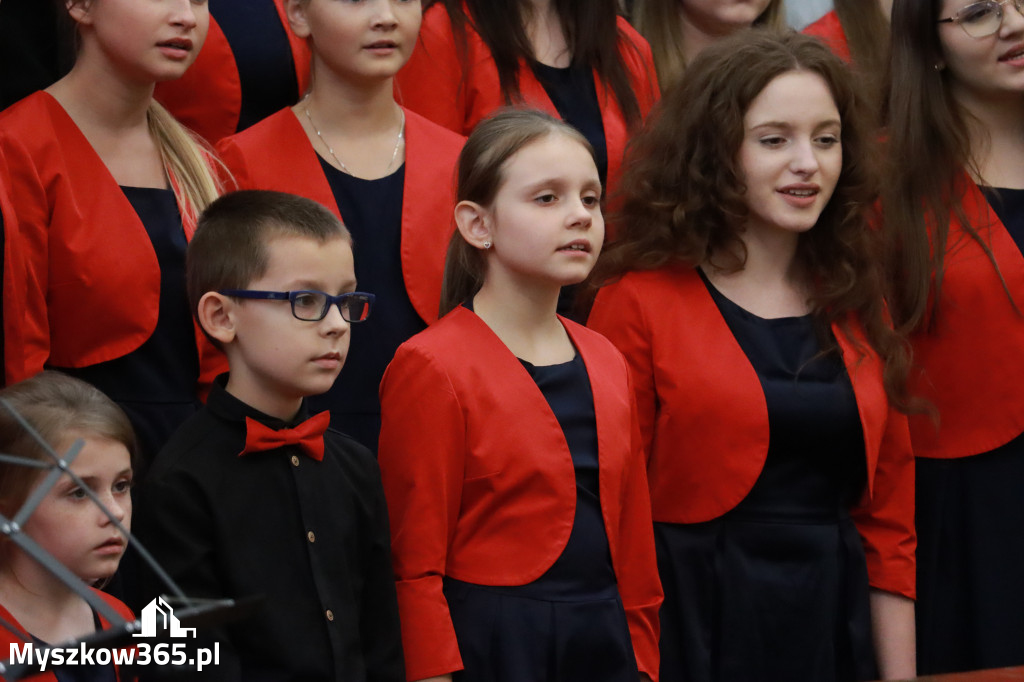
<point>229,248</point>
<point>55,406</point>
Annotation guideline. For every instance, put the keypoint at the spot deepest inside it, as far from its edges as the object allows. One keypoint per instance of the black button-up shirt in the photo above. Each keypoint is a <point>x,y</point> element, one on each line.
<point>310,537</point>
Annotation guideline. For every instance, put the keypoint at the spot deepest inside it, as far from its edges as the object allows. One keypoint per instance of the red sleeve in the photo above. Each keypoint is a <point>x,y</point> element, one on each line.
<point>618,315</point>
<point>431,82</point>
<point>30,239</point>
<point>639,584</point>
<point>13,291</point>
<point>886,519</point>
<point>421,455</point>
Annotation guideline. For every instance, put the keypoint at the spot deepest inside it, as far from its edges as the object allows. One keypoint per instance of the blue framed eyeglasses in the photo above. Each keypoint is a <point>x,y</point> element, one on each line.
<point>311,305</point>
<point>981,19</point>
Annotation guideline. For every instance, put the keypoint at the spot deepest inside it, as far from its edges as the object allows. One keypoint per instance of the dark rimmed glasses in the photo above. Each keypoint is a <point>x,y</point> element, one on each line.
<point>311,305</point>
<point>982,19</point>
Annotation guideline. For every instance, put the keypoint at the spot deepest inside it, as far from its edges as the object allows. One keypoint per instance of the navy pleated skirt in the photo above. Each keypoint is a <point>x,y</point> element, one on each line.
<point>970,561</point>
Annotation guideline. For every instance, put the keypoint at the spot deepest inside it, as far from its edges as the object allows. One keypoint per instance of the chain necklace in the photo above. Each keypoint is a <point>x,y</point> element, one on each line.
<point>330,150</point>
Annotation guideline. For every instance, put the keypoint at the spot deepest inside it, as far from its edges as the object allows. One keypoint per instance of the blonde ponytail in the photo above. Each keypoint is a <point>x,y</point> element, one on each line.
<point>189,163</point>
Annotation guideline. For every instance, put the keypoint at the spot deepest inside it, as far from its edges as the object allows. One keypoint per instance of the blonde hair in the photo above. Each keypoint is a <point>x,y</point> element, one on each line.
<point>658,21</point>
<point>188,161</point>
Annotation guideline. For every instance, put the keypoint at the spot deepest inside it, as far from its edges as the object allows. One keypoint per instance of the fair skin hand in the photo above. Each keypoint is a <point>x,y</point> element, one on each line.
<point>894,634</point>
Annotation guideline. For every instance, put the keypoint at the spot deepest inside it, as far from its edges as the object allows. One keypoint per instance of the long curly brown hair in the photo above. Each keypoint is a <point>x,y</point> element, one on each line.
<point>684,200</point>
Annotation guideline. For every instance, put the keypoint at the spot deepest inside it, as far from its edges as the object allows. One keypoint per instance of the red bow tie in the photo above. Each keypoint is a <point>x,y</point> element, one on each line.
<point>309,435</point>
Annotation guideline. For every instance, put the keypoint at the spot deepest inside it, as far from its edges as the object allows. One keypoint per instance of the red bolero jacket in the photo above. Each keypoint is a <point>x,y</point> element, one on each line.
<point>13,289</point>
<point>972,367</point>
<point>93,280</point>
<point>208,98</point>
<point>831,32</point>
<point>7,638</point>
<point>434,84</point>
<point>704,417</point>
<point>275,154</point>
<point>481,487</point>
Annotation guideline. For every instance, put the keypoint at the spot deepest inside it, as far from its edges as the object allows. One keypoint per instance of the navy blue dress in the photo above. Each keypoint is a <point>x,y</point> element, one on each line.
<point>372,212</point>
<point>970,544</point>
<point>569,625</point>
<point>574,95</point>
<point>777,588</point>
<point>156,383</point>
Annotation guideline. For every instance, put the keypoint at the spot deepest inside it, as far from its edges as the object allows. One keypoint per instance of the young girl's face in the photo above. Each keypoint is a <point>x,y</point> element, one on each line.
<point>68,525</point>
<point>358,39</point>
<point>791,154</point>
<point>545,220</point>
<point>144,40</point>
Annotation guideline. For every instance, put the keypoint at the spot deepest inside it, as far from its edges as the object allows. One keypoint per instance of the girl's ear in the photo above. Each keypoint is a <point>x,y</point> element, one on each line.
<point>216,314</point>
<point>295,10</point>
<point>474,223</point>
<point>79,10</point>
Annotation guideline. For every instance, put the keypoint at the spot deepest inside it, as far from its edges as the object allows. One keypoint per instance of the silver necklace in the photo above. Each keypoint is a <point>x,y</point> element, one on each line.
<point>330,150</point>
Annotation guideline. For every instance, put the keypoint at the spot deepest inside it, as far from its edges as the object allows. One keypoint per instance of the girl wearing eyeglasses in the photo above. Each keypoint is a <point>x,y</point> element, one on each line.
<point>386,171</point>
<point>955,212</point>
<point>106,186</point>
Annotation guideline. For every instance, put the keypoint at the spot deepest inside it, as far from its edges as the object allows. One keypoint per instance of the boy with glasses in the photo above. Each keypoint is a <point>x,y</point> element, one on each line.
<point>252,496</point>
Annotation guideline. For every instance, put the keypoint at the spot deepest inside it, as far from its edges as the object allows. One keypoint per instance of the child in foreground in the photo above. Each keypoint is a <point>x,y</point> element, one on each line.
<point>252,496</point>
<point>509,449</point>
<point>67,524</point>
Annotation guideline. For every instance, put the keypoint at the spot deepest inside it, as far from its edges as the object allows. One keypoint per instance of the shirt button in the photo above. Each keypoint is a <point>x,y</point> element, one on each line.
<point>310,536</point>
<point>295,460</point>
<point>330,615</point>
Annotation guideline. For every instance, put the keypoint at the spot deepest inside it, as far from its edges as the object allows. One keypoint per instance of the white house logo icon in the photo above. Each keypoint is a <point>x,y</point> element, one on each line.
<point>158,615</point>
